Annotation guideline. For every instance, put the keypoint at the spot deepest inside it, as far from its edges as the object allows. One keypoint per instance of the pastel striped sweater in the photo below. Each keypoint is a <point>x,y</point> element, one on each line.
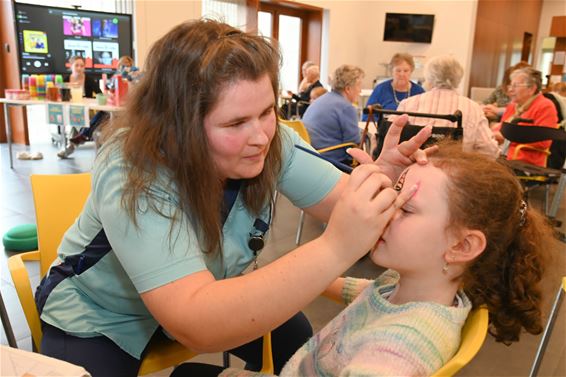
<point>373,337</point>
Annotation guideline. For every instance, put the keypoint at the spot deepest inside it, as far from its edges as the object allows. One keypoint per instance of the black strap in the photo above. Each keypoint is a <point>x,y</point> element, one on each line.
<point>230,195</point>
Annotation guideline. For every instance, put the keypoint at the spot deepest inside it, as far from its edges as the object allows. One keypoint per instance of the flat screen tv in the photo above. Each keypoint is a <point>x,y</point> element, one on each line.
<point>405,27</point>
<point>49,36</point>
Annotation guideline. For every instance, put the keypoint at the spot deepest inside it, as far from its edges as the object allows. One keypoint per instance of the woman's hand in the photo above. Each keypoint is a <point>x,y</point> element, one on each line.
<point>395,157</point>
<point>362,211</point>
<point>490,111</point>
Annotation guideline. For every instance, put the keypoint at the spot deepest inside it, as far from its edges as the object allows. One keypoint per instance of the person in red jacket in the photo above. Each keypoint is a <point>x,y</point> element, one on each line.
<point>527,102</point>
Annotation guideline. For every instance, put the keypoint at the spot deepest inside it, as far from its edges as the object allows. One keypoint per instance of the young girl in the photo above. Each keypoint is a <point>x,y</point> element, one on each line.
<point>466,238</point>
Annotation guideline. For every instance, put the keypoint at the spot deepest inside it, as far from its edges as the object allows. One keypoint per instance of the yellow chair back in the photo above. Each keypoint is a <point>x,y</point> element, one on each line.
<point>58,201</point>
<point>473,336</point>
<point>299,127</point>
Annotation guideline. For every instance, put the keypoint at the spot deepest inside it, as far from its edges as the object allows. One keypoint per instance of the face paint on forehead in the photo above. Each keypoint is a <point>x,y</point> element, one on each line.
<point>401,181</point>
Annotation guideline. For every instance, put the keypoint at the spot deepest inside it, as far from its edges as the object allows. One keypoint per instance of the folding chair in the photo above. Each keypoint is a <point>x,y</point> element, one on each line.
<point>438,133</point>
<point>548,329</point>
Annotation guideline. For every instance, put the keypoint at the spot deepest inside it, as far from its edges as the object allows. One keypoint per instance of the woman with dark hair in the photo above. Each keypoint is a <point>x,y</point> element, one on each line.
<point>181,187</point>
<point>80,78</point>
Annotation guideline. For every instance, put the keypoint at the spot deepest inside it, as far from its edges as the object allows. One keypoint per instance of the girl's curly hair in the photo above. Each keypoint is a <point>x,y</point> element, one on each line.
<point>485,195</point>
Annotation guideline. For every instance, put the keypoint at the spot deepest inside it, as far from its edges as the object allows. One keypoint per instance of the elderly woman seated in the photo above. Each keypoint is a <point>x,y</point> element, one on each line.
<point>527,102</point>
<point>442,76</point>
<point>332,119</point>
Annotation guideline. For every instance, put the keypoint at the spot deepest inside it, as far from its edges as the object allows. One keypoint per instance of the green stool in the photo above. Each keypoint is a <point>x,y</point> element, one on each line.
<point>21,238</point>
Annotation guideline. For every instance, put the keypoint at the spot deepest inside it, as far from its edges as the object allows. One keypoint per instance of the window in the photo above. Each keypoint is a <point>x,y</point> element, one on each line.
<point>232,12</point>
<point>298,29</point>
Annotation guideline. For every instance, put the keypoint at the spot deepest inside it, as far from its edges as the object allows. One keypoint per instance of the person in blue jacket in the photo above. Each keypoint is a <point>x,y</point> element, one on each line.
<point>182,192</point>
<point>332,119</point>
<point>390,93</point>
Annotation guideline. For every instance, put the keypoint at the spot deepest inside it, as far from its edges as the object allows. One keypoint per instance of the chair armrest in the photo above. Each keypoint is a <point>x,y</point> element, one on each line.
<point>338,146</point>
<point>22,284</point>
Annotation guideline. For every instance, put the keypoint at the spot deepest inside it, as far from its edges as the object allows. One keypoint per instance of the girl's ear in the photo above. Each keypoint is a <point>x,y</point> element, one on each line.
<point>471,244</point>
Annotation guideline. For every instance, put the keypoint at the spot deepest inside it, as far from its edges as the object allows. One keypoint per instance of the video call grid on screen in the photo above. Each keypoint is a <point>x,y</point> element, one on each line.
<point>49,36</point>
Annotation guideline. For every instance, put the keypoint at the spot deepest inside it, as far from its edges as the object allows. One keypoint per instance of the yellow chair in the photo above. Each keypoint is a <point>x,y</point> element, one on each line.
<point>300,128</point>
<point>473,336</point>
<point>58,201</point>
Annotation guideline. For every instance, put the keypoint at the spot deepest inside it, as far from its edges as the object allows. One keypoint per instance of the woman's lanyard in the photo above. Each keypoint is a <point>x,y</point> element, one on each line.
<point>256,241</point>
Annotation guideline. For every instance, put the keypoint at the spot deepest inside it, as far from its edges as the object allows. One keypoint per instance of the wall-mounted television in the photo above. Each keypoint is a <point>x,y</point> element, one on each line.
<point>405,27</point>
<point>49,36</point>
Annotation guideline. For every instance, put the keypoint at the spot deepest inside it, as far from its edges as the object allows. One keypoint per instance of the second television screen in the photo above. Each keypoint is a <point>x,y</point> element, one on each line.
<point>49,36</point>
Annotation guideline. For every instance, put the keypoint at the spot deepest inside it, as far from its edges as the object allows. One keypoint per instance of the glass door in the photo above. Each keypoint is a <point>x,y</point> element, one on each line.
<point>290,44</point>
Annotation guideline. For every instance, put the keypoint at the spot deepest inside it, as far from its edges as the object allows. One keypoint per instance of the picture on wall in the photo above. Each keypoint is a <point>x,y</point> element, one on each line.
<point>35,42</point>
<point>77,26</point>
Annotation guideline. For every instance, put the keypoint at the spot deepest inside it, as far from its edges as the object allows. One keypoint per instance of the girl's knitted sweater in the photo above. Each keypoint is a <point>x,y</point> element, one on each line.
<point>373,337</point>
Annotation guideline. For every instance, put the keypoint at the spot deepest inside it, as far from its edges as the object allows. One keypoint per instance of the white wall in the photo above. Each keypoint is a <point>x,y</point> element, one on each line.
<point>356,33</point>
<point>152,19</point>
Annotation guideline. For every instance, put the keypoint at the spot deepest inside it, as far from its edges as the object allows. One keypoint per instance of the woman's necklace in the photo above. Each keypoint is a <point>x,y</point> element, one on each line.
<point>395,94</point>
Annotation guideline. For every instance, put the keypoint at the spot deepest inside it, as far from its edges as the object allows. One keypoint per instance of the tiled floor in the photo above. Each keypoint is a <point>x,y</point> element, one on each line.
<point>493,360</point>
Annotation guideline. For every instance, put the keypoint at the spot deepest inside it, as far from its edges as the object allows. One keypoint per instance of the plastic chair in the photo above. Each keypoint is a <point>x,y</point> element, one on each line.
<point>300,128</point>
<point>548,329</point>
<point>473,336</point>
<point>58,201</point>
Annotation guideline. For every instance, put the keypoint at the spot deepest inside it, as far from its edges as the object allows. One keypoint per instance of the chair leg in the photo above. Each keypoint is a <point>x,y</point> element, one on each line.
<point>547,331</point>
<point>7,325</point>
<point>226,359</point>
<point>300,228</point>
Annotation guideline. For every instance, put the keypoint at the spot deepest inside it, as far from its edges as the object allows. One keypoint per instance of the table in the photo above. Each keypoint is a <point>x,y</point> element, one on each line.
<point>87,103</point>
<point>16,362</point>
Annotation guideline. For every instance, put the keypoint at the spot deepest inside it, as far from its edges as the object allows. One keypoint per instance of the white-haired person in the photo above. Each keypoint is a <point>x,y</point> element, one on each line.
<point>442,76</point>
<point>312,75</point>
<point>305,82</point>
<point>332,119</point>
<point>527,102</point>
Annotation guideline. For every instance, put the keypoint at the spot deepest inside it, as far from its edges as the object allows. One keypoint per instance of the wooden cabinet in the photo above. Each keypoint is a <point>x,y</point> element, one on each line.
<point>558,30</point>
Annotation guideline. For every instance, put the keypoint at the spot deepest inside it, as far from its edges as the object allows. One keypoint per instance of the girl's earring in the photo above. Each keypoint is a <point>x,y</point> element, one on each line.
<point>445,268</point>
